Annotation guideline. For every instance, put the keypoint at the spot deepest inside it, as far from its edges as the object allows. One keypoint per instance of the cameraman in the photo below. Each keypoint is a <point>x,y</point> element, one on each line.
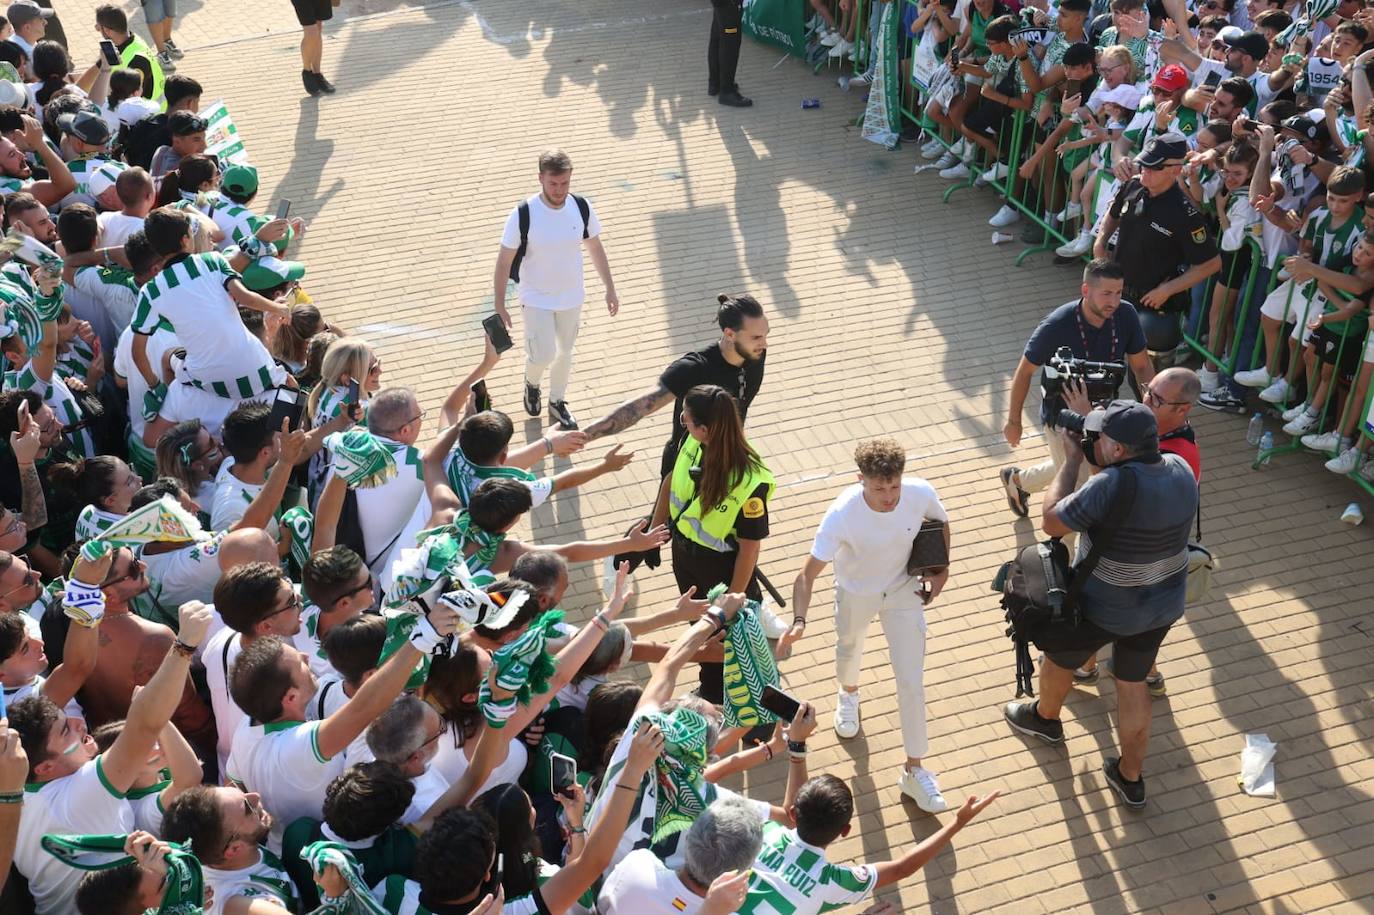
<point>1098,327</point>
<point>1137,588</point>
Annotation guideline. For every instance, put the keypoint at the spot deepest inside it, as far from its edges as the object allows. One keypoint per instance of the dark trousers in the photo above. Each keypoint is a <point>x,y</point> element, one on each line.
<point>704,568</point>
<point>722,54</point>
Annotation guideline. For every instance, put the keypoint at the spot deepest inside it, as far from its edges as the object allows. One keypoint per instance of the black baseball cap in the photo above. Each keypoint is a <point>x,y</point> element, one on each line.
<point>1163,148</point>
<point>87,126</point>
<point>1126,421</point>
<point>1251,43</point>
<point>1303,126</point>
<point>184,123</point>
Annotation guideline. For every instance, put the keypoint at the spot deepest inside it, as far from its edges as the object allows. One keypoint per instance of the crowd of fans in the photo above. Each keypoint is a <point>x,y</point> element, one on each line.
<point>267,643</point>
<point>1272,105</point>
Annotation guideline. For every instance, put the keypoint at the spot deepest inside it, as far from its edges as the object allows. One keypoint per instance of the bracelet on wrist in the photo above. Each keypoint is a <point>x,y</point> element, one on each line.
<point>12,797</point>
<point>767,750</point>
<point>600,621</point>
<point>577,830</point>
<point>183,650</point>
<point>796,747</point>
<point>548,444</point>
<point>627,787</point>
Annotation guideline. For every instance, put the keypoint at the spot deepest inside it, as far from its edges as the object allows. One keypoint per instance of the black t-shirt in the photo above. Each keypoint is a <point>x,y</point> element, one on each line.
<point>1118,337</point>
<point>752,521</point>
<point>1158,238</point>
<point>707,366</point>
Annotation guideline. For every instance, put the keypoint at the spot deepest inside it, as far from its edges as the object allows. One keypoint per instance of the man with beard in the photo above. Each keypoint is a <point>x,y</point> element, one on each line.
<point>228,829</point>
<point>15,174</point>
<point>22,485</point>
<point>1100,326</point>
<point>734,362</point>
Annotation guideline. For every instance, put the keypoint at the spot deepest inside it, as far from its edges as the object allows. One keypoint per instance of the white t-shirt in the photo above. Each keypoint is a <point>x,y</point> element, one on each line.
<point>393,513</point>
<point>450,762</point>
<point>267,879</point>
<point>147,804</point>
<point>282,762</point>
<point>232,498</point>
<point>329,698</point>
<point>307,642</point>
<point>551,272</point>
<point>869,548</point>
<point>221,651</point>
<point>116,227</point>
<point>429,787</point>
<point>186,574</point>
<point>78,804</point>
<point>641,885</point>
<point>641,826</point>
<point>158,344</point>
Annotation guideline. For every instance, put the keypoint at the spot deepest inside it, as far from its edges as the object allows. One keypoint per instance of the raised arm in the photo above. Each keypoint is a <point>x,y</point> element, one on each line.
<point>890,872</point>
<point>455,405</point>
<point>265,504</point>
<point>630,412</point>
<point>25,444</point>
<point>181,762</point>
<point>327,512</point>
<point>640,539</point>
<point>663,679</point>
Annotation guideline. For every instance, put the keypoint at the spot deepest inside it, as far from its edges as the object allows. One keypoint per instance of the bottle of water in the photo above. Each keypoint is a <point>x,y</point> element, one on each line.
<point>1255,430</point>
<point>1266,444</point>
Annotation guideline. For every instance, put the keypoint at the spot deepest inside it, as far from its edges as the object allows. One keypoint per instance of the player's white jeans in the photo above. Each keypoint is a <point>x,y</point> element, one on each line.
<point>904,624</point>
<point>549,340</point>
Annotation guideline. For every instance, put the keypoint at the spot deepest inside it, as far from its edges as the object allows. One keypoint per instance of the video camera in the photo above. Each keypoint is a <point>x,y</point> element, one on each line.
<point>1101,379</point>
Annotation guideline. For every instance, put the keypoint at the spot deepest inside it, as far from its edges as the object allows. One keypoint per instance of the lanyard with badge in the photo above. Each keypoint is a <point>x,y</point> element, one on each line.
<point>1083,333</point>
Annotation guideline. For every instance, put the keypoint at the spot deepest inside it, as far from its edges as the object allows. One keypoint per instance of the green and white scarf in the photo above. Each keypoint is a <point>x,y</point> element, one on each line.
<point>357,901</point>
<point>440,555</point>
<point>679,770</point>
<point>522,667</point>
<point>1313,12</point>
<point>882,118</point>
<point>301,523</point>
<point>749,667</point>
<point>184,893</point>
<point>360,459</point>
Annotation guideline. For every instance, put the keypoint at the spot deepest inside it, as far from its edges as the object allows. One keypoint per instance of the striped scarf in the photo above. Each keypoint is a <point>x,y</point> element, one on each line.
<point>749,667</point>
<point>678,771</point>
<point>522,667</point>
<point>184,893</point>
<point>357,901</point>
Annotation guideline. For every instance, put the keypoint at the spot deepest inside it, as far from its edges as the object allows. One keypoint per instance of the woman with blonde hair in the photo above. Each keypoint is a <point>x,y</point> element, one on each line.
<point>348,359</point>
<point>292,338</point>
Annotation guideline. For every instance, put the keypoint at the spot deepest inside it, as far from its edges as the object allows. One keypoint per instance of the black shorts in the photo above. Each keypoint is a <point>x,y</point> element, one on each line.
<point>1132,655</point>
<point>309,12</point>
<point>1235,267</point>
<point>988,117</point>
<point>1327,344</point>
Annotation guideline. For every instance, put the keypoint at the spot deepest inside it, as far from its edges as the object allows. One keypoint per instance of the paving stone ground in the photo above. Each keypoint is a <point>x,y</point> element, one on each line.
<point>892,314</point>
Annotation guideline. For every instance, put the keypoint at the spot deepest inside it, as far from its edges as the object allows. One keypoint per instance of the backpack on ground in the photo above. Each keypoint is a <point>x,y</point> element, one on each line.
<point>524,217</point>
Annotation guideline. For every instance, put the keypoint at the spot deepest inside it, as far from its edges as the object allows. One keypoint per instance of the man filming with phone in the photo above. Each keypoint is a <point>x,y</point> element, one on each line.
<point>1101,327</point>
<point>1134,516</point>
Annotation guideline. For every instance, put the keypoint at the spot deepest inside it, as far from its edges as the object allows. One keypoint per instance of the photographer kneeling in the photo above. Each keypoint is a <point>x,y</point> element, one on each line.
<point>1101,327</point>
<point>1134,592</point>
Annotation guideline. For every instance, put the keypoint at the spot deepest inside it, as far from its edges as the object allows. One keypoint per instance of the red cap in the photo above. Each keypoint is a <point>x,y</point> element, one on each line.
<point>1171,77</point>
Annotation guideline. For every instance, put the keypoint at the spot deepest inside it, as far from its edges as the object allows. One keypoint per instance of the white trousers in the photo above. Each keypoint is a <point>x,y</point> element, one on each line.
<point>904,623</point>
<point>549,340</point>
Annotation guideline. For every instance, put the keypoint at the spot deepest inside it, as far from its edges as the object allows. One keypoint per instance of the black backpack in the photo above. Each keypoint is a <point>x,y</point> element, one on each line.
<point>1040,588</point>
<point>524,216</point>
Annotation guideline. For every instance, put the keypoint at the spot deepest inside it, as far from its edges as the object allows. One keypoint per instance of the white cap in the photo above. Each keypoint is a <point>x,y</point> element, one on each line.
<point>13,94</point>
<point>104,177</point>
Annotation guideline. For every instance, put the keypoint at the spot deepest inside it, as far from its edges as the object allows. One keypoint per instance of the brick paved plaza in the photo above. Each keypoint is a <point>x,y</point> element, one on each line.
<point>891,314</point>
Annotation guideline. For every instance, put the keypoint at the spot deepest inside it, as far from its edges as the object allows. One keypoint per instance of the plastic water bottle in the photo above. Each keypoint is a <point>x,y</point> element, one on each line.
<point>1266,444</point>
<point>1255,430</point>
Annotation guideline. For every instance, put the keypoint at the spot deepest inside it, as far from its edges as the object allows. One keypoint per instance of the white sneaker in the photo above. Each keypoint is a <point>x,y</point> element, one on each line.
<point>1209,379</point>
<point>1254,378</point>
<point>1326,443</point>
<point>1302,424</point>
<point>1275,393</point>
<point>1345,462</point>
<point>830,39</point>
<point>933,149</point>
<point>1081,245</point>
<point>842,49</point>
<point>1367,471</point>
<point>1293,412</point>
<point>847,713</point>
<point>996,173</point>
<point>946,160</point>
<point>1072,211</point>
<point>919,784</point>
<point>955,172</point>
<point>1004,217</point>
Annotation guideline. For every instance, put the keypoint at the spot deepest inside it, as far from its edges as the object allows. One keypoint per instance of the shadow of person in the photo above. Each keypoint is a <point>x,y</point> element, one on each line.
<point>759,218</point>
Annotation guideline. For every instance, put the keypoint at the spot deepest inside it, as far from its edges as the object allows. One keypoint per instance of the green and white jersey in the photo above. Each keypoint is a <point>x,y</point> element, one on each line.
<point>11,185</point>
<point>1143,126</point>
<point>400,896</point>
<point>94,520</point>
<point>997,67</point>
<point>81,170</point>
<point>56,395</point>
<point>282,762</point>
<point>76,361</point>
<point>234,220</point>
<point>465,476</point>
<point>82,803</point>
<point>331,404</point>
<point>190,296</point>
<point>1332,244</point>
<point>266,879</point>
<point>1144,51</point>
<point>307,642</point>
<point>791,877</point>
<point>232,498</point>
<point>113,287</point>
<point>19,307</point>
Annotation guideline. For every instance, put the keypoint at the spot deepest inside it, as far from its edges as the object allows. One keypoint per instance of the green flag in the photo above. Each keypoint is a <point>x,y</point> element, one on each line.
<point>781,23</point>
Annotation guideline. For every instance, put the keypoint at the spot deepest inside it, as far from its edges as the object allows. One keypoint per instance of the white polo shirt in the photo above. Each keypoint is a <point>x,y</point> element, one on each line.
<point>267,879</point>
<point>282,763</point>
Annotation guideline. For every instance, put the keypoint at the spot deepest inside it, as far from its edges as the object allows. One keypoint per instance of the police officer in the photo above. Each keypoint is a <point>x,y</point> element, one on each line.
<point>716,504</point>
<point>722,54</point>
<point>1162,241</point>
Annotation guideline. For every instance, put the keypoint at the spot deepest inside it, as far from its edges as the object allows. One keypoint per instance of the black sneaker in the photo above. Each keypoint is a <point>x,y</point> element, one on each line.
<point>308,78</point>
<point>1022,717</point>
<point>1132,793</point>
<point>731,98</point>
<point>533,399</point>
<point>1222,400</point>
<point>325,85</point>
<point>1018,500</point>
<point>481,400</point>
<point>559,413</point>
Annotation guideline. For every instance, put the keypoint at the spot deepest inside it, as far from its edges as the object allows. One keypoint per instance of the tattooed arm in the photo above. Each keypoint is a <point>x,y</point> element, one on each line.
<point>25,445</point>
<point>630,412</point>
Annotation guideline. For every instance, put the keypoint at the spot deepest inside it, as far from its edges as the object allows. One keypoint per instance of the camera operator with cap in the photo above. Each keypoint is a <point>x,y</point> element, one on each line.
<point>1136,589</point>
<point>1101,327</point>
<point>1162,241</point>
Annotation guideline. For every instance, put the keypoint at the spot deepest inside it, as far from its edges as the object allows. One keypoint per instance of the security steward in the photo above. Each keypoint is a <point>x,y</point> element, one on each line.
<point>1162,241</point>
<point>722,54</point>
<point>716,503</point>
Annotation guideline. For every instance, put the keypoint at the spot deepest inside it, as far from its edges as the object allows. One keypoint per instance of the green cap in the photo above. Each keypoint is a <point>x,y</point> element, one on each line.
<point>257,222</point>
<point>239,180</point>
<point>267,272</point>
